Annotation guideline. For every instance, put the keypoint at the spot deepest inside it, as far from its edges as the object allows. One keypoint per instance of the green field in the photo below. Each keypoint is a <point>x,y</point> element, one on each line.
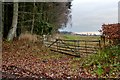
<point>78,37</point>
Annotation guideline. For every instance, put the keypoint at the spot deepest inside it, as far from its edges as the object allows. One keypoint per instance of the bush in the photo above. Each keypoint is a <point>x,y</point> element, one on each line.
<point>111,32</point>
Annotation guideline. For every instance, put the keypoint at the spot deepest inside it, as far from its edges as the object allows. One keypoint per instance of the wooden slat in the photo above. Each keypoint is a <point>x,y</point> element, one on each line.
<point>67,53</point>
<point>79,40</point>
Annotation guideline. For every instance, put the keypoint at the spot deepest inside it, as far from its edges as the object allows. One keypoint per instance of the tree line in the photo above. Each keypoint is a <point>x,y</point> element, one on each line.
<point>41,18</point>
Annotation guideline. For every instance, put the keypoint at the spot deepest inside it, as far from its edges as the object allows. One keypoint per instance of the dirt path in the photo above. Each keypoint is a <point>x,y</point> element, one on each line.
<point>23,60</point>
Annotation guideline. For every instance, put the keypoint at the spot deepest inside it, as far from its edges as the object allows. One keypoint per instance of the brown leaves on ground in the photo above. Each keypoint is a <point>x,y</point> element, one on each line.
<point>22,59</point>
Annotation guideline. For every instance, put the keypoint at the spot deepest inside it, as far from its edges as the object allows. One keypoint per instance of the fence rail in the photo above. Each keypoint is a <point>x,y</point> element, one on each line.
<point>75,47</point>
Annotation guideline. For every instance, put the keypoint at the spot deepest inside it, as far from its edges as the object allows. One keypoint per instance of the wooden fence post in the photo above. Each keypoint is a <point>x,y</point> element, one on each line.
<point>78,45</point>
<point>74,46</point>
<point>86,46</point>
<point>99,44</point>
<point>57,45</point>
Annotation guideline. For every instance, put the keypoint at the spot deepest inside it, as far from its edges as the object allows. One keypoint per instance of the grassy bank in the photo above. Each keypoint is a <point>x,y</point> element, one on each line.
<point>106,63</point>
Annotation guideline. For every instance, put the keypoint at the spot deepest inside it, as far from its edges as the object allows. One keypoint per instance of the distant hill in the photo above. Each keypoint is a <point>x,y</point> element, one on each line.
<point>65,32</point>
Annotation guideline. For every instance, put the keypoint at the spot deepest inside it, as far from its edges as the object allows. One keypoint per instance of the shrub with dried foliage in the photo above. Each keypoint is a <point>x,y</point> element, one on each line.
<point>111,32</point>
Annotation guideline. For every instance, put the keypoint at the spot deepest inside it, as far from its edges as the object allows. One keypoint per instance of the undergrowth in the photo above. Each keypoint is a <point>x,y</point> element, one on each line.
<point>106,63</point>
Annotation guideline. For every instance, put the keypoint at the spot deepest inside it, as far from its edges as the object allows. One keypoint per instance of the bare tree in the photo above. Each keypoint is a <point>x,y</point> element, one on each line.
<point>33,18</point>
<point>12,31</point>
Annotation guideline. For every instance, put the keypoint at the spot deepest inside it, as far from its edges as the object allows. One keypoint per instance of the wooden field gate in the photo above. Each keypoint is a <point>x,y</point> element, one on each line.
<point>75,47</point>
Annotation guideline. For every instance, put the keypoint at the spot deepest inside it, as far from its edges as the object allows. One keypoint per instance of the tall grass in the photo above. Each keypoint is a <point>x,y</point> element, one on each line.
<point>30,37</point>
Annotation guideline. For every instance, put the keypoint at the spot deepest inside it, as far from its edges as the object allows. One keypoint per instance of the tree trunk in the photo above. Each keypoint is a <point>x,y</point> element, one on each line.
<point>1,20</point>
<point>12,31</point>
<point>33,18</point>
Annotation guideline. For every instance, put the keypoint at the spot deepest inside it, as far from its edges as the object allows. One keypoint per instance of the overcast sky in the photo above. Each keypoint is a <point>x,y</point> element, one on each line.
<point>89,15</point>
